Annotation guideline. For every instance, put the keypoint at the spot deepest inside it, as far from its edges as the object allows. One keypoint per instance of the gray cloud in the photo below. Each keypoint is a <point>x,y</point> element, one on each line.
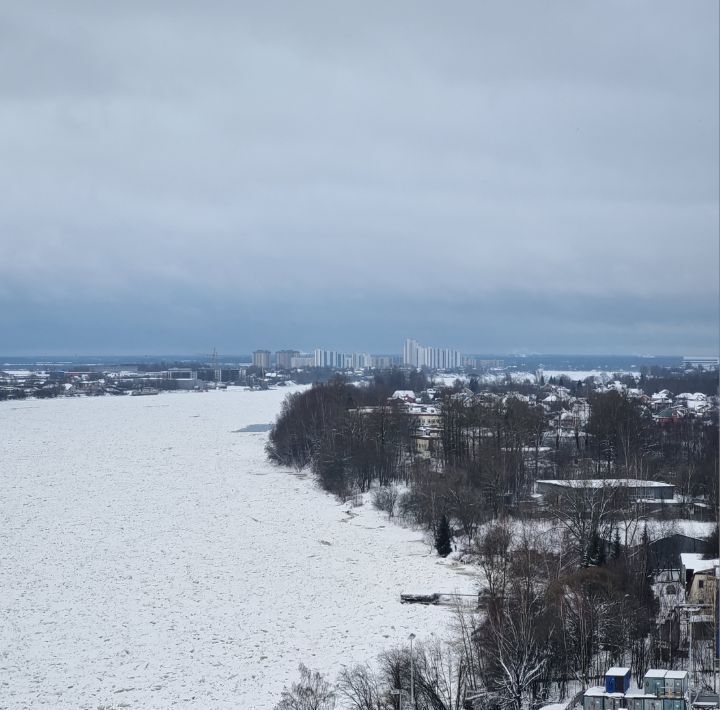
<point>491,175</point>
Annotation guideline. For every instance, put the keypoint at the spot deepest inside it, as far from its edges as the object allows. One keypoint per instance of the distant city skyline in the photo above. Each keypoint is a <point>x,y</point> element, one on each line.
<point>331,357</point>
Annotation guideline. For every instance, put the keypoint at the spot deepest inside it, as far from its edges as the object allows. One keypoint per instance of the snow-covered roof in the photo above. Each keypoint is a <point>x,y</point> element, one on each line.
<point>695,562</point>
<point>606,483</point>
<point>656,673</point>
<point>595,691</point>
<point>617,670</point>
<point>423,409</point>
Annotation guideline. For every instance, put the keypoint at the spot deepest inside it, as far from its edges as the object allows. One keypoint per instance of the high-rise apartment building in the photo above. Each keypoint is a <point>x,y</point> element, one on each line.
<point>342,361</point>
<point>302,360</point>
<point>416,355</point>
<point>261,359</point>
<point>283,359</point>
<point>382,362</point>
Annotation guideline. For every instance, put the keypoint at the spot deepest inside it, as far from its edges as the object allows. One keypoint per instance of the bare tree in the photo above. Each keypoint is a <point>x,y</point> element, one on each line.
<point>311,692</point>
<point>585,511</point>
<point>363,689</point>
<point>441,676</point>
<point>493,548</point>
<point>515,660</point>
<point>386,498</point>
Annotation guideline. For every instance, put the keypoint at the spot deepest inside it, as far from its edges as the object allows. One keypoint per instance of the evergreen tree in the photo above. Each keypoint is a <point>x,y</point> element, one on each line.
<point>616,548</point>
<point>591,554</point>
<point>595,555</point>
<point>601,555</point>
<point>645,552</point>
<point>443,536</point>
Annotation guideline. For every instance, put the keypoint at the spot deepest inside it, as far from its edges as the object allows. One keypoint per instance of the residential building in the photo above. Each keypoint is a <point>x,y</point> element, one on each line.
<point>342,361</point>
<point>261,359</point>
<point>283,359</point>
<point>382,362</point>
<point>665,552</point>
<point>328,358</point>
<point>626,489</point>
<point>302,360</point>
<point>416,355</point>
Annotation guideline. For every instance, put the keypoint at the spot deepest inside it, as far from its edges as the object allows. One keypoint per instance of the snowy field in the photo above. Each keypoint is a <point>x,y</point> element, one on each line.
<point>151,558</point>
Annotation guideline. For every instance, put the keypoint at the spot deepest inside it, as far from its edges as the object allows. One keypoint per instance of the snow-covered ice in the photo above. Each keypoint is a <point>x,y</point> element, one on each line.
<point>150,557</point>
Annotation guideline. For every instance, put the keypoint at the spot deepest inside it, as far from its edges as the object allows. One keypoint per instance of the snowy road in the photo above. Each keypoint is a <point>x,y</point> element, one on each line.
<point>151,558</point>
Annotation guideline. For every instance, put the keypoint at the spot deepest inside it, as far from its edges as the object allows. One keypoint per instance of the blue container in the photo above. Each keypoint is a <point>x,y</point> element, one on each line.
<point>617,680</point>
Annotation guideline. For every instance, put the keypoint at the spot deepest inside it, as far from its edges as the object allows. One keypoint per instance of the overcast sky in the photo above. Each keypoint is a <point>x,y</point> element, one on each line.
<point>493,176</point>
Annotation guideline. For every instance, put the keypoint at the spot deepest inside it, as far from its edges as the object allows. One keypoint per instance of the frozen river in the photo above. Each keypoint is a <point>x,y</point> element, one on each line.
<point>150,557</point>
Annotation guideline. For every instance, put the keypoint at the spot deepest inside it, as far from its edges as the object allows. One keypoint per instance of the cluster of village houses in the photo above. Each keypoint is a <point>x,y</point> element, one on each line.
<point>95,382</point>
<point>566,415</point>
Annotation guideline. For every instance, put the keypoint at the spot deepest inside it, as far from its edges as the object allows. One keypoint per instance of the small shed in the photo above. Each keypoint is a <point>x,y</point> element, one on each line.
<point>594,698</point>
<point>615,701</point>
<point>654,683</point>
<point>676,683</point>
<point>617,680</point>
<point>641,701</point>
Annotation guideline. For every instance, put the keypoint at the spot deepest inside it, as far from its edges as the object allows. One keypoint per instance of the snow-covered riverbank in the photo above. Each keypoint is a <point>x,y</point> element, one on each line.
<point>150,557</point>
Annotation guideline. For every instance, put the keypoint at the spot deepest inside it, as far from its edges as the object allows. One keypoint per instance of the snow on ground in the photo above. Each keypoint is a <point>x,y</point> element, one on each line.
<point>150,557</point>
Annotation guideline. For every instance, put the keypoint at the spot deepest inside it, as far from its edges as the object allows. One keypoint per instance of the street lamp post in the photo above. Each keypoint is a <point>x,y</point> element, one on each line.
<point>412,673</point>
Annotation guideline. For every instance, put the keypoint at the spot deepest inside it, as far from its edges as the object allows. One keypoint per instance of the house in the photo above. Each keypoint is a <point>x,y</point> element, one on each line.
<point>426,443</point>
<point>701,585</point>
<point>665,552</point>
<point>425,415</point>
<point>403,395</point>
<point>692,563</point>
<point>669,415</point>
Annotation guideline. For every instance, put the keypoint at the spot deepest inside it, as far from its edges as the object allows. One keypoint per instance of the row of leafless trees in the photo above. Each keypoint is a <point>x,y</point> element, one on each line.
<point>348,449</point>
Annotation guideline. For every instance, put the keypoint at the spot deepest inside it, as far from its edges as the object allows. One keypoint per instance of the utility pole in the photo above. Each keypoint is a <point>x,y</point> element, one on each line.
<point>716,612</point>
<point>689,610</point>
<point>213,356</point>
<point>691,658</point>
<point>412,673</point>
